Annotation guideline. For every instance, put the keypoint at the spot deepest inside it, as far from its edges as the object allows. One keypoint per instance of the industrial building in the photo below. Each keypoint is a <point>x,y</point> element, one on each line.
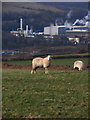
<point>76,29</point>
<point>59,30</point>
<point>21,32</point>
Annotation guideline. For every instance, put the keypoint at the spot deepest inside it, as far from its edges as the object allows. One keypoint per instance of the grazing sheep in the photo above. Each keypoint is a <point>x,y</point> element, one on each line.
<point>79,65</point>
<point>39,62</point>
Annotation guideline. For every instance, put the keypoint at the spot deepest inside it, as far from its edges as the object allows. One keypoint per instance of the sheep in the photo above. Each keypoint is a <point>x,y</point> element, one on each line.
<point>79,65</point>
<point>39,62</point>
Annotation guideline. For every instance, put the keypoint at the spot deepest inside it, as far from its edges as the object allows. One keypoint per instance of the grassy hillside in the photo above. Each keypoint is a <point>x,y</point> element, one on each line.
<point>33,14</point>
<point>39,6</point>
<point>67,5</point>
<point>27,7</point>
<point>39,14</point>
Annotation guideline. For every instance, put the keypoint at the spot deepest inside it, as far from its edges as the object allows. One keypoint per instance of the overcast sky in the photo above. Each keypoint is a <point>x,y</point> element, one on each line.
<point>44,0</point>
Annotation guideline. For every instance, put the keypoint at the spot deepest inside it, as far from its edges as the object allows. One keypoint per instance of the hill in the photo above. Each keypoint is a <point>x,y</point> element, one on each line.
<point>39,15</point>
<point>34,14</point>
<point>67,5</point>
<point>18,7</point>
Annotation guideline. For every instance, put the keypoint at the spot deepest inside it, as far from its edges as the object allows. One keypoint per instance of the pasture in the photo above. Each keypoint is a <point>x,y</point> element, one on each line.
<point>59,94</point>
<point>55,62</point>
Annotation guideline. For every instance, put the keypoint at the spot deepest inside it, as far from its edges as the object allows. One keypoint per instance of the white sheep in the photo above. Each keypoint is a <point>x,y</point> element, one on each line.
<point>39,62</point>
<point>79,65</point>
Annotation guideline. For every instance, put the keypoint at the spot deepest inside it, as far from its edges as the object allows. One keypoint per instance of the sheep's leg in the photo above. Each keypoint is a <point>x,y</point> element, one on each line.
<point>33,71</point>
<point>80,69</point>
<point>46,70</point>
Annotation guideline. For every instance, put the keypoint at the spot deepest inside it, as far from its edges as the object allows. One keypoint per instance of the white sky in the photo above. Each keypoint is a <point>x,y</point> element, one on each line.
<point>44,0</point>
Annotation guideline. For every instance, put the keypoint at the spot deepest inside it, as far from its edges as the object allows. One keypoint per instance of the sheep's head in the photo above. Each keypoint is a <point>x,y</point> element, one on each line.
<point>49,57</point>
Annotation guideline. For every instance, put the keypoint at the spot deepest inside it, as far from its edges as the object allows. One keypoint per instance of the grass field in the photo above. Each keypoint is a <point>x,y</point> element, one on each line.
<point>55,62</point>
<point>59,94</point>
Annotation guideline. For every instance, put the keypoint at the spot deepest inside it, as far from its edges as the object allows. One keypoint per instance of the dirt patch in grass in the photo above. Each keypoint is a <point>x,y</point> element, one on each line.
<point>67,67</point>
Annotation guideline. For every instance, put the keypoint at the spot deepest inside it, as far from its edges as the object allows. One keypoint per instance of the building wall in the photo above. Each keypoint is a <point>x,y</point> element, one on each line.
<point>52,30</point>
<point>46,30</point>
<point>61,30</point>
<point>57,30</point>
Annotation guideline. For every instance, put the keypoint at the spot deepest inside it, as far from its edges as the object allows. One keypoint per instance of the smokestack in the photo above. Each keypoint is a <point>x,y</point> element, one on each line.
<point>26,28</point>
<point>21,24</point>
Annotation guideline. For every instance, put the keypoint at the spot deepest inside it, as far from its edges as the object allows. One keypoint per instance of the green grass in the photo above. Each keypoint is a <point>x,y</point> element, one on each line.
<point>68,61</point>
<point>20,63</point>
<point>55,62</point>
<point>59,94</point>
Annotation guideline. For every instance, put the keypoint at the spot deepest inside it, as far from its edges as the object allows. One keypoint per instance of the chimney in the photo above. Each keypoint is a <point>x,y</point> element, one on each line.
<point>26,28</point>
<point>21,24</point>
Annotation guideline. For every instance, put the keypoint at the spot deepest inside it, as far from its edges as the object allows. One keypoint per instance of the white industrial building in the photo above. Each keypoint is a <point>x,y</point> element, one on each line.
<point>58,30</point>
<point>52,30</point>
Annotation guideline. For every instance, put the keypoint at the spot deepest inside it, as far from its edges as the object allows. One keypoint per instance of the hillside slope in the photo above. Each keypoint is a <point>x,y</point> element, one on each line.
<point>39,15</point>
<point>18,7</point>
<point>34,14</point>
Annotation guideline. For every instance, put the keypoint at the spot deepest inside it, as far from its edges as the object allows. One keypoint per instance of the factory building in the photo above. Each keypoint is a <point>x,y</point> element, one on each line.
<point>59,30</point>
<point>52,30</point>
<point>78,28</point>
<point>21,32</point>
